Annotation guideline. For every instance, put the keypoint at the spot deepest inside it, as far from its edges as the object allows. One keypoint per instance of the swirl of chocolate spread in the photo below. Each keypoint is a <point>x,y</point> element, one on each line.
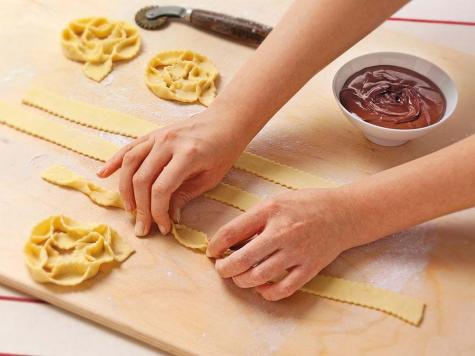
<point>393,97</point>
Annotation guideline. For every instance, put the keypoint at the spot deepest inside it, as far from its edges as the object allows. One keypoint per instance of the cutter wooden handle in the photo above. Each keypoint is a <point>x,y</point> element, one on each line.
<point>237,28</point>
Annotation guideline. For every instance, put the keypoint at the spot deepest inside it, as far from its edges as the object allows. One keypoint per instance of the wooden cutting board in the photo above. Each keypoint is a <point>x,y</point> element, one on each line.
<point>171,297</point>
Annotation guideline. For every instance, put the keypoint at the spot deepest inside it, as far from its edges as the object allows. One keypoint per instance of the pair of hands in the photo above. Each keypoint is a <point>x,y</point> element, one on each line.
<point>293,235</point>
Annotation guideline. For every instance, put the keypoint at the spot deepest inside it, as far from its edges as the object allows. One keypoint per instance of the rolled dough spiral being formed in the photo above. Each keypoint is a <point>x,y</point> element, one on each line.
<point>401,306</point>
<point>98,42</point>
<point>65,252</point>
<point>184,76</point>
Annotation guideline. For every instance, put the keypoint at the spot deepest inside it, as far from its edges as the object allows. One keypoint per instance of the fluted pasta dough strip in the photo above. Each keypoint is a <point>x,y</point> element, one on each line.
<point>127,125</point>
<point>278,173</point>
<point>227,194</point>
<point>88,115</point>
<point>233,196</point>
<point>55,132</point>
<point>403,307</point>
<point>62,176</point>
<point>94,147</point>
<point>64,252</point>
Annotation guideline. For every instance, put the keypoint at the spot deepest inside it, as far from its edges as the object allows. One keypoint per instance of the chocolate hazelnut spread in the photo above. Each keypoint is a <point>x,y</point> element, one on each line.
<point>393,97</point>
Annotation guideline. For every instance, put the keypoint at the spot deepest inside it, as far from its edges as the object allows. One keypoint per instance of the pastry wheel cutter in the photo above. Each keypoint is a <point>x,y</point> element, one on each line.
<point>243,30</point>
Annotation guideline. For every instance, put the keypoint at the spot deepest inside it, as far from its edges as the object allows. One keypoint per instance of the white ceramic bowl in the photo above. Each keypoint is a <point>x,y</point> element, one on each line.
<point>387,136</point>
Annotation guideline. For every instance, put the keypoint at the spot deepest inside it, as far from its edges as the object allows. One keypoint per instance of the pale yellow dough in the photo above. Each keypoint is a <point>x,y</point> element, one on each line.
<point>94,147</point>
<point>65,252</point>
<point>62,176</point>
<point>53,131</point>
<point>225,193</point>
<point>98,42</point>
<point>128,125</point>
<point>184,76</point>
<point>403,307</point>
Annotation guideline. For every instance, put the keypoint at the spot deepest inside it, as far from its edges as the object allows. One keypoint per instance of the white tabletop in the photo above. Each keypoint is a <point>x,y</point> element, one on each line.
<point>64,334</point>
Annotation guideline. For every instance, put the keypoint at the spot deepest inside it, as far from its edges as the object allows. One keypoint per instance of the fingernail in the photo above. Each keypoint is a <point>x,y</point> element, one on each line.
<point>128,207</point>
<point>208,254</point>
<point>162,230</point>
<point>177,215</point>
<point>139,228</point>
<point>101,171</point>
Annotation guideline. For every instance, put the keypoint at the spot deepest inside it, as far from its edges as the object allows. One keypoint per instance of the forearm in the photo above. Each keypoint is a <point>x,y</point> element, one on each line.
<point>309,36</point>
<point>434,185</point>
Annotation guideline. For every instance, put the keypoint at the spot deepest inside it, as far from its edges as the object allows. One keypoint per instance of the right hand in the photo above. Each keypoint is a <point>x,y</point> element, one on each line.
<point>162,171</point>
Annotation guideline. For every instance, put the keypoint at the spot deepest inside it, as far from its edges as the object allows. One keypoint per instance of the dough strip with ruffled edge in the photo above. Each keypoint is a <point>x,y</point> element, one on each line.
<point>404,307</point>
<point>227,194</point>
<point>91,146</point>
<point>55,132</point>
<point>123,124</point>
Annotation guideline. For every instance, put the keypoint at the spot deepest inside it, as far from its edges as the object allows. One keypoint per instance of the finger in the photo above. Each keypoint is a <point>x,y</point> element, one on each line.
<point>237,230</point>
<point>115,162</point>
<point>248,256</point>
<point>172,176</point>
<point>188,191</point>
<point>131,163</point>
<point>142,181</point>
<point>287,286</point>
<point>269,270</point>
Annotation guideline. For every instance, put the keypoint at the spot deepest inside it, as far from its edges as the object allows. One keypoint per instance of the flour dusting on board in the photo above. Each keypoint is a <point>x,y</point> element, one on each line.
<point>116,139</point>
<point>108,80</point>
<point>130,100</point>
<point>390,263</point>
<point>274,335</point>
<point>405,258</point>
<point>15,75</point>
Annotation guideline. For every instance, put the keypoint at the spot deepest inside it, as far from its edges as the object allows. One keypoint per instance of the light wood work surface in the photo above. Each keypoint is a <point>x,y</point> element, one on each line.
<point>171,297</point>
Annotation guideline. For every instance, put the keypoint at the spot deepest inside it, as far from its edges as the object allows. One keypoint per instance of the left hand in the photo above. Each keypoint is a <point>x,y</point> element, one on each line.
<point>164,170</point>
<point>299,232</point>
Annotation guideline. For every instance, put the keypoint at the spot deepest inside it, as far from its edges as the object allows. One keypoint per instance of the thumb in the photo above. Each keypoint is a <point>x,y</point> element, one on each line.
<point>188,191</point>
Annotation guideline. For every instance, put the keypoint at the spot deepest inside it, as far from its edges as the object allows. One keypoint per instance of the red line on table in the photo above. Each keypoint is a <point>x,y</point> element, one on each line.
<point>3,354</point>
<point>9,298</point>
<point>440,22</point>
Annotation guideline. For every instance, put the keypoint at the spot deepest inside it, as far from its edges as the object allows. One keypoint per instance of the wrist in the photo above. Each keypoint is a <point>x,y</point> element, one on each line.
<point>335,208</point>
<point>376,209</point>
<point>357,214</point>
<point>232,123</point>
